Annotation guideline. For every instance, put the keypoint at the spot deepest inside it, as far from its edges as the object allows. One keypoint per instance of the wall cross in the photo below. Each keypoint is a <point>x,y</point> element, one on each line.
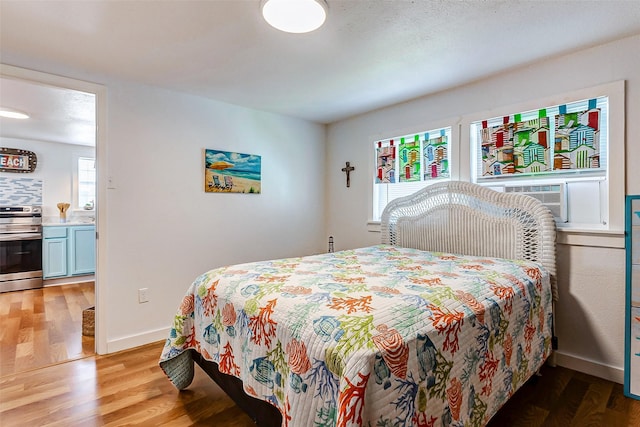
<point>348,169</point>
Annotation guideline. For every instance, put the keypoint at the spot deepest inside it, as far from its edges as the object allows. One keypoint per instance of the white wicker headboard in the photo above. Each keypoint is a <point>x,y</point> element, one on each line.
<point>468,219</point>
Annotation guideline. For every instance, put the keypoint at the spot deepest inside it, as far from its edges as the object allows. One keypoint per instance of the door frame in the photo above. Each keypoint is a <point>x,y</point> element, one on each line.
<point>100,93</point>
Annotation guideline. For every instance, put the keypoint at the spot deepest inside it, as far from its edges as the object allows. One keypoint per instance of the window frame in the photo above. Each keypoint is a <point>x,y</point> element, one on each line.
<point>76,181</point>
<point>452,157</point>
<point>613,206</point>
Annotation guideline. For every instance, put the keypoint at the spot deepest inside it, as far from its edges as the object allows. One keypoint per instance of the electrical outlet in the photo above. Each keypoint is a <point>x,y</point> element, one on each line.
<point>143,295</point>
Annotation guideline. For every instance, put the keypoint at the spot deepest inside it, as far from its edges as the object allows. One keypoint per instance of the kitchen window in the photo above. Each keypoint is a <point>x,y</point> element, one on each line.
<point>86,183</point>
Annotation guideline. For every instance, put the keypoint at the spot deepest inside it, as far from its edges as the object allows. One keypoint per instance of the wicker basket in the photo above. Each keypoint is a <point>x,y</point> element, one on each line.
<point>89,321</point>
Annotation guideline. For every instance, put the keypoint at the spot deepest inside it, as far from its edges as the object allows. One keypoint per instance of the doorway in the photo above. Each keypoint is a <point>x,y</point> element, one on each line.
<point>61,304</point>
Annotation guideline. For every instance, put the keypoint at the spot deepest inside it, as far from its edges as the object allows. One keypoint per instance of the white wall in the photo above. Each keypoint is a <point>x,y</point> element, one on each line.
<point>56,163</point>
<point>590,322</point>
<point>163,230</point>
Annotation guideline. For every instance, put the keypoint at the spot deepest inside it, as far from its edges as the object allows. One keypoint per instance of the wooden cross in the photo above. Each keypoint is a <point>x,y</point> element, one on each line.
<point>347,169</point>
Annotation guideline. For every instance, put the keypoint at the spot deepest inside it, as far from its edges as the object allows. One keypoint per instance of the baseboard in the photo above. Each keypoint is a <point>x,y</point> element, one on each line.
<point>132,341</point>
<point>600,370</point>
<point>69,280</point>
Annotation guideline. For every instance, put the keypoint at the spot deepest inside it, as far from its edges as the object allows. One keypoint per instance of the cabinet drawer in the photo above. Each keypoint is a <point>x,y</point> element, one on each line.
<point>54,232</point>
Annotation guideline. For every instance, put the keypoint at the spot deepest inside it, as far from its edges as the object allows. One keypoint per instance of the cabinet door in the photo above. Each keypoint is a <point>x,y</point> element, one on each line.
<point>54,260</point>
<point>82,254</point>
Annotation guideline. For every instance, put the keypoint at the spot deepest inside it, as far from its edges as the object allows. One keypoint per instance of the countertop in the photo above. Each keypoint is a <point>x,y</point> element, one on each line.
<point>66,224</point>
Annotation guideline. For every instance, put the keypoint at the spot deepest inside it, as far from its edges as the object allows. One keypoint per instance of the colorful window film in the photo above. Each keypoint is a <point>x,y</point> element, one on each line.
<point>386,162</point>
<point>436,155</point>
<point>577,140</point>
<point>552,140</point>
<point>409,150</point>
<point>407,163</point>
<point>419,157</point>
<point>517,147</point>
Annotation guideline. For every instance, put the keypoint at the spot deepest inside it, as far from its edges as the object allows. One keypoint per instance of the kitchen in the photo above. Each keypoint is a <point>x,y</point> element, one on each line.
<point>47,224</point>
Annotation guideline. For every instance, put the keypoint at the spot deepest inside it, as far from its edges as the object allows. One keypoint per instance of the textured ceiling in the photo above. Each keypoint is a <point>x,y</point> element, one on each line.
<point>369,53</point>
<point>55,114</point>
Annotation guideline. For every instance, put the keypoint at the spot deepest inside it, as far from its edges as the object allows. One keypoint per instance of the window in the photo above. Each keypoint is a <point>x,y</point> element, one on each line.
<point>404,164</point>
<point>86,189</point>
<point>540,147</point>
<point>561,141</point>
<point>549,153</point>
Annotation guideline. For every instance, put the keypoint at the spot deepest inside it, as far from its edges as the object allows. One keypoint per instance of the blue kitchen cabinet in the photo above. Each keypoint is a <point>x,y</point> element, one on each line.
<point>54,252</point>
<point>68,251</point>
<point>82,250</point>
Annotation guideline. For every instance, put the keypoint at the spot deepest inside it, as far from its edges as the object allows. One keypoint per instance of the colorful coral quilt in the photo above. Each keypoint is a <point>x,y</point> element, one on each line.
<point>377,336</point>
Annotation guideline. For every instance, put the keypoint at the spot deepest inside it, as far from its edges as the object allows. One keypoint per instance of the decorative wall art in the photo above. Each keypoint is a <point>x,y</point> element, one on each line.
<point>17,160</point>
<point>347,169</point>
<point>230,172</point>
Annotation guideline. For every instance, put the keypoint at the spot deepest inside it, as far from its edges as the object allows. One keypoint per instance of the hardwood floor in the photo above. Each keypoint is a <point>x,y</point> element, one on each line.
<point>126,388</point>
<point>40,327</point>
<point>563,397</point>
<point>129,388</point>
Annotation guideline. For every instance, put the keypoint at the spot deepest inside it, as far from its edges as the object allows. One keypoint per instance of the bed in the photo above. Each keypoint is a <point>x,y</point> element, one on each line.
<point>438,325</point>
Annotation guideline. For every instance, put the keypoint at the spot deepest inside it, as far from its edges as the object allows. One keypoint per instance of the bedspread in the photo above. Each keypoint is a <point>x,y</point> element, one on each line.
<point>377,336</point>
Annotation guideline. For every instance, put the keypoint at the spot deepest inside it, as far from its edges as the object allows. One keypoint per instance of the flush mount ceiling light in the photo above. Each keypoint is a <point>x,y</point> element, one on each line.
<point>295,16</point>
<point>12,114</point>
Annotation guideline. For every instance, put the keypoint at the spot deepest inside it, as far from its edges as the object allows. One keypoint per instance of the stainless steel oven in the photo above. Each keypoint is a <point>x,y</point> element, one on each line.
<point>20,247</point>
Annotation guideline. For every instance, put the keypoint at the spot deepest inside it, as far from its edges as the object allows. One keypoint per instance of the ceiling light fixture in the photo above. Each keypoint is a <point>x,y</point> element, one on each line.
<point>295,16</point>
<point>12,114</point>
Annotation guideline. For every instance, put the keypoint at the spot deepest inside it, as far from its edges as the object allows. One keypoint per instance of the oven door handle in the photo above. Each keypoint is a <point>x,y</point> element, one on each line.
<point>20,236</point>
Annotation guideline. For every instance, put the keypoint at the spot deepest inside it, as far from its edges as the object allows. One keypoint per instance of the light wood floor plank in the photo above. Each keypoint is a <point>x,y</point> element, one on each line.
<point>43,326</point>
<point>127,388</point>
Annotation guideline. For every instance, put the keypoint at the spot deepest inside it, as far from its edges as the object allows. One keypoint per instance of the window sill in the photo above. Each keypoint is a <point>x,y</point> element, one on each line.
<point>590,237</point>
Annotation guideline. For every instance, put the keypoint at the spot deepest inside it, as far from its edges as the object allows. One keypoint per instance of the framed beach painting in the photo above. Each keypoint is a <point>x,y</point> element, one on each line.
<point>229,172</point>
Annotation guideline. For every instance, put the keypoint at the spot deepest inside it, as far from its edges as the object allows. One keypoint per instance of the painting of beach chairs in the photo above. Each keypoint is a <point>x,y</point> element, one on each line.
<point>228,172</point>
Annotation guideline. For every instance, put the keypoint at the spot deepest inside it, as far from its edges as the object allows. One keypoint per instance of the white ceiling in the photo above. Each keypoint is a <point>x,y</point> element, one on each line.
<point>369,53</point>
<point>55,114</point>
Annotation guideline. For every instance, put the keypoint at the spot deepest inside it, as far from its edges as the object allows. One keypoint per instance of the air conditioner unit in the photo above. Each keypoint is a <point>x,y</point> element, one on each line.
<point>553,196</point>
